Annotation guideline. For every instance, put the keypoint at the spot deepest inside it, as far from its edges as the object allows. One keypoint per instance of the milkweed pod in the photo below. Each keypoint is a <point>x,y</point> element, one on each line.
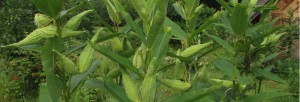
<point>271,38</point>
<point>130,87</point>
<point>85,59</point>
<point>74,22</point>
<point>180,70</point>
<point>105,63</point>
<point>175,84</point>
<point>137,60</point>
<point>48,31</point>
<point>193,50</point>
<point>203,75</point>
<point>151,67</point>
<point>228,83</point>
<point>148,89</point>
<point>70,33</point>
<point>116,44</point>
<point>33,37</point>
<point>115,72</point>
<point>66,64</point>
<point>41,20</point>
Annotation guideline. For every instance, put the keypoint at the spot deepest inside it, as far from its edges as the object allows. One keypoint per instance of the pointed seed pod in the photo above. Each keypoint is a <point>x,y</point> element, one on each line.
<point>116,44</point>
<point>228,83</point>
<point>41,20</point>
<point>203,75</point>
<point>193,50</point>
<point>137,60</point>
<point>180,68</point>
<point>48,31</point>
<point>151,68</point>
<point>33,37</point>
<point>148,89</point>
<point>87,55</point>
<point>74,22</point>
<point>68,65</point>
<point>175,84</point>
<point>115,72</point>
<point>130,87</point>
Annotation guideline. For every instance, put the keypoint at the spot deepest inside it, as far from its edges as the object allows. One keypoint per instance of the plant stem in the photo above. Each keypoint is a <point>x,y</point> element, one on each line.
<point>259,85</point>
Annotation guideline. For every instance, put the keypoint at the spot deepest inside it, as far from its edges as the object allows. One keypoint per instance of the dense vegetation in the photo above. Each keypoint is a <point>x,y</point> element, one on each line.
<point>145,51</point>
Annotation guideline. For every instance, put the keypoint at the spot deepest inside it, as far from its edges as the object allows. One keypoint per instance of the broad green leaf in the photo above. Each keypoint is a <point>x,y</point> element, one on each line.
<point>135,27</point>
<point>115,90</point>
<point>226,67</point>
<point>239,19</point>
<point>224,4</point>
<point>54,84</point>
<point>223,43</point>
<point>157,23</point>
<point>268,75</point>
<point>265,96</point>
<point>176,29</point>
<point>51,8</point>
<point>76,79</point>
<point>210,21</point>
<point>115,57</point>
<point>193,95</point>
<point>189,7</point>
<point>160,46</point>
<point>271,56</point>
<point>139,6</point>
<point>44,95</point>
<point>179,9</point>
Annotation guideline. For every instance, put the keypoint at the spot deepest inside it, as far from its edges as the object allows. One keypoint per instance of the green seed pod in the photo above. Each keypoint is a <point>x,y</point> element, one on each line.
<point>70,33</point>
<point>228,83</point>
<point>114,73</point>
<point>130,87</point>
<point>87,55</point>
<point>66,64</point>
<point>151,67</point>
<point>193,50</point>
<point>105,63</point>
<point>180,69</point>
<point>271,38</point>
<point>41,20</point>
<point>85,59</point>
<point>74,22</point>
<point>33,37</point>
<point>203,75</point>
<point>48,31</point>
<point>148,89</point>
<point>175,84</point>
<point>116,44</point>
<point>137,60</point>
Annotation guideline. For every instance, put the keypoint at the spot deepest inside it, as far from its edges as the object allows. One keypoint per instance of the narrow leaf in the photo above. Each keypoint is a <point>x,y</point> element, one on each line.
<point>269,75</point>
<point>176,30</point>
<point>157,22</point>
<point>222,42</point>
<point>160,46</point>
<point>115,57</point>
<point>115,90</point>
